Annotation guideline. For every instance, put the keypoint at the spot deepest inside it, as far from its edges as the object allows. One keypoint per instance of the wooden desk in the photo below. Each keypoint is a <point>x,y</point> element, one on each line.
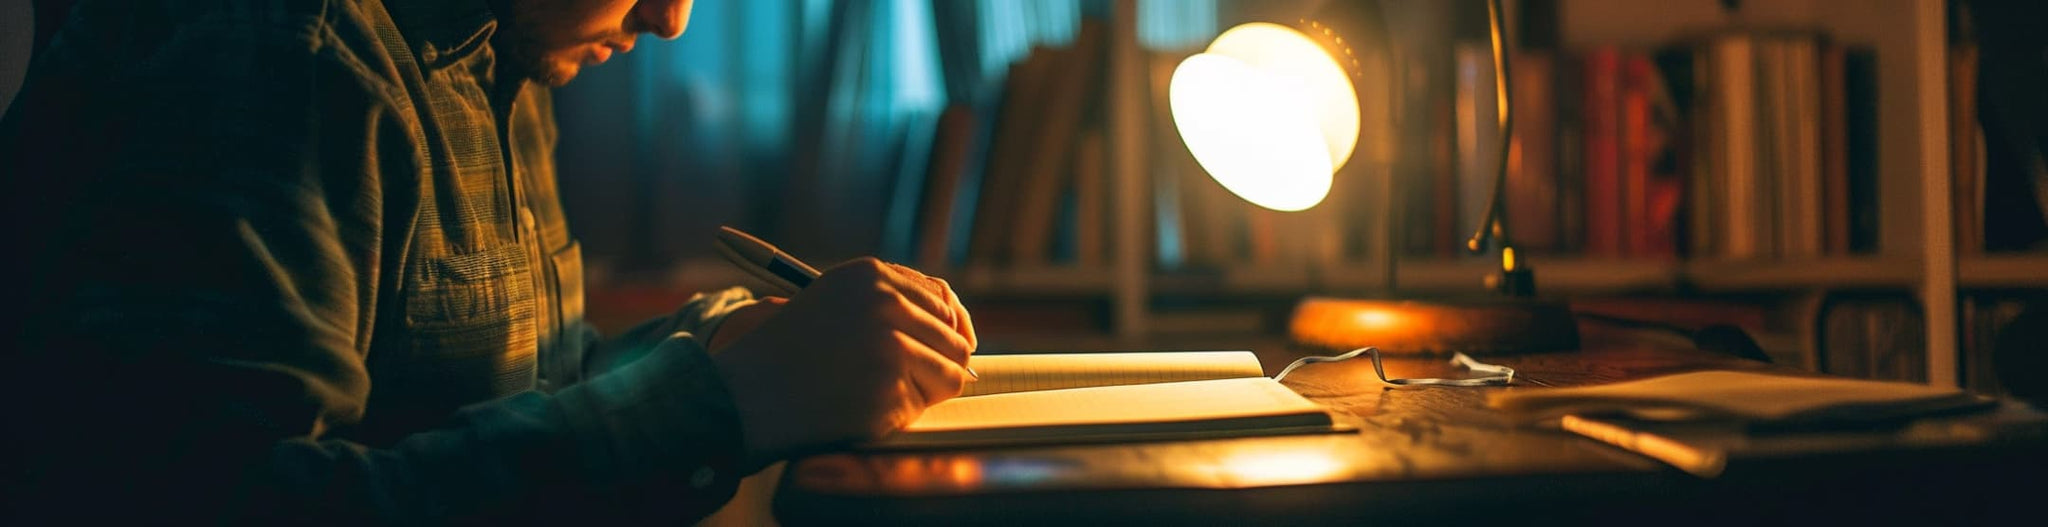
<point>1421,454</point>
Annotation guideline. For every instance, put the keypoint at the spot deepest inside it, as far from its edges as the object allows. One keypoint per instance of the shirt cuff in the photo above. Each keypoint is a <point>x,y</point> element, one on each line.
<point>666,421</point>
<point>705,312</point>
<point>695,321</point>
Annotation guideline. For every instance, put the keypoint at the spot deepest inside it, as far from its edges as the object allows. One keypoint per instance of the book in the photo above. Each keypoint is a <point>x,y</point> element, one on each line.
<point>1990,320</point>
<point>1695,421</point>
<point>1873,336</point>
<point>1834,107</point>
<point>1866,217</point>
<point>1652,187</point>
<point>1602,129</point>
<point>1800,195</point>
<point>1732,139</point>
<point>1024,93</point>
<point>1109,397</point>
<point>1091,199</point>
<point>951,150</point>
<point>1047,163</point>
<point>1533,189</point>
<point>1705,449</point>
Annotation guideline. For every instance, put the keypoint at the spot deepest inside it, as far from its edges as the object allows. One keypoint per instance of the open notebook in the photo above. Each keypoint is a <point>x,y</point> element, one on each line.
<point>1100,397</point>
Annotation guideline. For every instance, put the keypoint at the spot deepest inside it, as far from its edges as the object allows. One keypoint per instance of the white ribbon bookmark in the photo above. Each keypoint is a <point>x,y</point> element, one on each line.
<point>1498,375</point>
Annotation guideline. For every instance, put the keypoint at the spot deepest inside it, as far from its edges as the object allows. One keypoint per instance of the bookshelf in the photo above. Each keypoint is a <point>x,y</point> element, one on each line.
<point>2002,270</point>
<point>1915,249</point>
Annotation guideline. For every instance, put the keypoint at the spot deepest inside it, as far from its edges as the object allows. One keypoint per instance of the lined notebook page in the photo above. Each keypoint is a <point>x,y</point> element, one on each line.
<point>1148,403</point>
<point>1022,373</point>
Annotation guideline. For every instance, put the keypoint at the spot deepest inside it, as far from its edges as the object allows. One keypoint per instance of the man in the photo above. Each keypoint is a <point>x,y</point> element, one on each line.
<point>302,260</point>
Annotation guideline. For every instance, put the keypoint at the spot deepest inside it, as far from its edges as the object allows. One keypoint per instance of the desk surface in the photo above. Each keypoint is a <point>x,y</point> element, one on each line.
<point>1422,453</point>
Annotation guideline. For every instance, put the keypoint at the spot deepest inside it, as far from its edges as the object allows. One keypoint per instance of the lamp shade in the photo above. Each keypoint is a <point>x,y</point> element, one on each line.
<point>1267,112</point>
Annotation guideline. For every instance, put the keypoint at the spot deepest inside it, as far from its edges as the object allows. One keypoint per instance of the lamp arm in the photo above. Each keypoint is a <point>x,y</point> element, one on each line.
<point>1515,279</point>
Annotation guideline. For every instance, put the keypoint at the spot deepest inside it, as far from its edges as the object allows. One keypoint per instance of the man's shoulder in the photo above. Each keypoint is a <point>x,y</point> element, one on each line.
<point>273,13</point>
<point>313,23</point>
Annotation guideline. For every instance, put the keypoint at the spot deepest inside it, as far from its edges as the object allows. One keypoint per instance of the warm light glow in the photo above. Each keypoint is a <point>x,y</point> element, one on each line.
<point>1281,468</point>
<point>1507,258</point>
<point>1268,113</point>
<point>1377,318</point>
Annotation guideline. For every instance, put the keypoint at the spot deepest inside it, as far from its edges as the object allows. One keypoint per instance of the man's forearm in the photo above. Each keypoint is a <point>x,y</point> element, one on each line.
<point>656,441</point>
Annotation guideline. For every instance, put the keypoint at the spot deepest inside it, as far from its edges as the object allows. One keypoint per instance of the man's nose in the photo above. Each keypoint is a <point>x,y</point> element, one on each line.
<point>662,18</point>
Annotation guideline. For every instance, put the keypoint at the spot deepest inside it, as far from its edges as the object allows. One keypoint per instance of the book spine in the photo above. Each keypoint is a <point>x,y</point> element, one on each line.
<point>1571,154</point>
<point>1800,204</point>
<point>1602,153</point>
<point>1835,223</point>
<point>1051,154</point>
<point>1735,123</point>
<point>952,146</point>
<point>1663,185</point>
<point>1091,190</point>
<point>1705,204</point>
<point>1774,138</point>
<point>1023,94</point>
<point>1638,228</point>
<point>1533,189</point>
<point>1866,220</point>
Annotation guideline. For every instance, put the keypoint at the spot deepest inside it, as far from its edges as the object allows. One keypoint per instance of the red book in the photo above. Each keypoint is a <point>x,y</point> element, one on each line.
<point>1602,146</point>
<point>1652,190</point>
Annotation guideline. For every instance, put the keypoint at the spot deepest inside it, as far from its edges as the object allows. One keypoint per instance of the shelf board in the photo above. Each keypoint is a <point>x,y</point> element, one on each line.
<point>1238,279</point>
<point>1557,275</point>
<point>2003,270</point>
<point>1552,275</point>
<point>1033,280</point>
<point>1822,273</point>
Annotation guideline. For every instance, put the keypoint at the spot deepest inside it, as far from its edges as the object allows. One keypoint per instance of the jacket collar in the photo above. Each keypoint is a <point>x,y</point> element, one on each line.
<point>442,32</point>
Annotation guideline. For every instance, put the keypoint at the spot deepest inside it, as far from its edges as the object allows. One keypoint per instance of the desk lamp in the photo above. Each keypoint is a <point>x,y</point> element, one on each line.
<point>1272,111</point>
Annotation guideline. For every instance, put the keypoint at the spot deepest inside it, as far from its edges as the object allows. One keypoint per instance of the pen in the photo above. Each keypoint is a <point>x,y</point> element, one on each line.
<point>764,261</point>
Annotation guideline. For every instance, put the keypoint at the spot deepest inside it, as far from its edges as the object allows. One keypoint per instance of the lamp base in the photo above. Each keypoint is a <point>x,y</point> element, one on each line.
<point>1483,326</point>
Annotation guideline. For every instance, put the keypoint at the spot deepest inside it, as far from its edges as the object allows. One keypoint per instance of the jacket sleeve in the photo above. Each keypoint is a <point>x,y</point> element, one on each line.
<point>204,309</point>
<point>696,320</point>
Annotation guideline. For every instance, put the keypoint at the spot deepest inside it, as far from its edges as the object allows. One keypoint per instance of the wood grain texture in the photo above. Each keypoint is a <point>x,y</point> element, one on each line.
<point>1424,453</point>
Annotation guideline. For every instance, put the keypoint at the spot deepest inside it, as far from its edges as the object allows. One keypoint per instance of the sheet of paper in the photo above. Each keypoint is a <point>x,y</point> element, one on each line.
<point>1729,394</point>
<point>1052,371</point>
<point>1147,403</point>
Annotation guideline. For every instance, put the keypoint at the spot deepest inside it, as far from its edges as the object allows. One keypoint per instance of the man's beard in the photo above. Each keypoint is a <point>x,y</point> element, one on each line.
<point>527,58</point>
<point>520,50</point>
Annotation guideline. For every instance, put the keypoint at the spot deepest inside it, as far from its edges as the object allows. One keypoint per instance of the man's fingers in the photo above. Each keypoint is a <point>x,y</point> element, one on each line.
<point>928,330</point>
<point>943,302</point>
<point>936,376</point>
<point>963,323</point>
<point>928,292</point>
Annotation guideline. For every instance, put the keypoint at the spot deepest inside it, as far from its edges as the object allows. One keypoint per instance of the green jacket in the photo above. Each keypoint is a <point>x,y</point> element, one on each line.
<point>305,259</point>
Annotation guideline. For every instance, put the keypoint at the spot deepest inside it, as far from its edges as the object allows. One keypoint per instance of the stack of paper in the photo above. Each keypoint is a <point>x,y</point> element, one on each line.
<point>1694,421</point>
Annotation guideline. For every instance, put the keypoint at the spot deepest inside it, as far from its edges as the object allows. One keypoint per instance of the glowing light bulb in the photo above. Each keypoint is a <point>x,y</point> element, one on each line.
<point>1267,113</point>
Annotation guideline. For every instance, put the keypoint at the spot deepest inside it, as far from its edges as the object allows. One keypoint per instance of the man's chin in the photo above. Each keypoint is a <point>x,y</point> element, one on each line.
<point>557,73</point>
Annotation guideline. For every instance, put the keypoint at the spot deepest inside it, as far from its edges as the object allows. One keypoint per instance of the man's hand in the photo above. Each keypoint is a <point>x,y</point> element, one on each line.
<point>743,321</point>
<point>859,353</point>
